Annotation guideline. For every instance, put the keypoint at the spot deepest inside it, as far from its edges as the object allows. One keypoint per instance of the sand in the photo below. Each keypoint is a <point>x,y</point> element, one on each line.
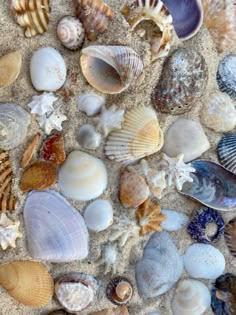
<point>21,92</point>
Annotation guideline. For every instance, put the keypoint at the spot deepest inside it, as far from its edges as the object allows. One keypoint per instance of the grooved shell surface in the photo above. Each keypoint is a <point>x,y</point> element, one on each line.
<point>226,75</point>
<point>227,152</point>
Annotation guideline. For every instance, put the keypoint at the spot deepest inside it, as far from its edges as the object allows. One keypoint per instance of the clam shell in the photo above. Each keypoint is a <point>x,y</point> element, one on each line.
<point>30,150</point>
<point>227,152</point>
<point>203,261</point>
<point>226,75</point>
<point>174,220</point>
<point>119,290</point>
<point>55,231</point>
<point>110,69</point>
<point>53,149</point>
<point>10,65</point>
<point>212,186</point>
<point>88,138</point>
<point>90,104</point>
<point>27,282</point>
<point>139,136</point>
<point>14,122</point>
<point>230,236</point>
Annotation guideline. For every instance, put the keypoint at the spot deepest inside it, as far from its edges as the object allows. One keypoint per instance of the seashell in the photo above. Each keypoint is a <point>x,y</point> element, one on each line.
<point>98,215</point>
<point>58,312</point>
<point>199,230</point>
<point>226,75</point>
<point>55,231</point>
<point>32,16</point>
<point>174,220</point>
<point>149,217</point>
<point>47,69</point>
<point>42,104</point>
<point>30,150</point>
<point>203,261</point>
<point>75,291</point>
<point>109,258</point>
<point>8,201</point>
<point>212,185</point>
<point>119,291</point>
<point>133,189</point>
<point>40,175</point>
<point>191,297</point>
<point>219,18</point>
<point>88,138</point>
<point>122,310</point>
<point>14,122</point>
<point>110,119</point>
<point>94,15</point>
<point>51,121</point>
<point>70,32</point>
<point>68,88</point>
<point>90,104</point>
<point>82,176</point>
<point>28,282</point>
<point>187,137</point>
<point>53,149</point>
<point>139,136</point>
<point>110,69</point>
<point>137,11</point>
<point>230,236</point>
<point>227,151</point>
<point>182,82</point>
<point>9,232</point>
<point>160,267</point>
<point>10,66</point>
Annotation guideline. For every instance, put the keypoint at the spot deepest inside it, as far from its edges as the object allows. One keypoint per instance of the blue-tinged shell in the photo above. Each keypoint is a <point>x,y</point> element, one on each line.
<point>212,185</point>
<point>226,75</point>
<point>227,152</point>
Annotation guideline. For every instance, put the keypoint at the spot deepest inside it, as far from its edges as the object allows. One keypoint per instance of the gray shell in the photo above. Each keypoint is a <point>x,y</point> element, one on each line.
<point>227,152</point>
<point>226,75</point>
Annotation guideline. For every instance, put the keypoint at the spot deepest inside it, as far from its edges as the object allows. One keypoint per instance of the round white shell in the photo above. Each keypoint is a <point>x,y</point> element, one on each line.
<point>47,69</point>
<point>88,138</point>
<point>90,104</point>
<point>98,215</point>
<point>174,220</point>
<point>204,261</point>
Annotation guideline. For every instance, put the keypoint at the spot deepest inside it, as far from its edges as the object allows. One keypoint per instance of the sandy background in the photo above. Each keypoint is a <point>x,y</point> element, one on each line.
<point>21,91</point>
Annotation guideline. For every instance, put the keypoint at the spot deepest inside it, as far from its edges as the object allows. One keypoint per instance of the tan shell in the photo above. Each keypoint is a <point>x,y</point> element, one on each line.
<point>10,65</point>
<point>119,291</point>
<point>32,15</point>
<point>230,236</point>
<point>139,136</point>
<point>122,310</point>
<point>27,282</point>
<point>30,150</point>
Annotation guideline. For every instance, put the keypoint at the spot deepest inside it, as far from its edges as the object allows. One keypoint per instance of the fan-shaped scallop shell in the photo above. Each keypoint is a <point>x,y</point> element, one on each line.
<point>33,16</point>
<point>230,236</point>
<point>227,152</point>
<point>139,136</point>
<point>110,69</point>
<point>226,75</point>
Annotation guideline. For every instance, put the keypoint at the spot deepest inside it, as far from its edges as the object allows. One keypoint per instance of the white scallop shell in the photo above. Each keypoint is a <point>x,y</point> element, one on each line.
<point>90,103</point>
<point>42,104</point>
<point>9,232</point>
<point>88,138</point>
<point>204,261</point>
<point>174,220</point>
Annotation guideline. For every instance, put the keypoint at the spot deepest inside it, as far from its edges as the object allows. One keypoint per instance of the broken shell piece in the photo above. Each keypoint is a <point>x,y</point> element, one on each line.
<point>110,119</point>
<point>68,88</point>
<point>122,310</point>
<point>110,69</point>
<point>174,220</point>
<point>137,11</point>
<point>88,138</point>
<point>53,149</point>
<point>9,232</point>
<point>119,291</point>
<point>42,104</point>
<point>10,65</point>
<point>51,121</point>
<point>30,150</point>
<point>90,103</point>
<point>230,236</point>
<point>109,258</point>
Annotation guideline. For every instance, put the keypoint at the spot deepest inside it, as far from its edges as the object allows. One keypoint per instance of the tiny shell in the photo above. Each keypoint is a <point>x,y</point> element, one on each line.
<point>110,119</point>
<point>30,150</point>
<point>174,220</point>
<point>88,138</point>
<point>51,121</point>
<point>42,104</point>
<point>10,66</point>
<point>227,152</point>
<point>230,236</point>
<point>9,232</point>
<point>119,291</point>
<point>53,149</point>
<point>90,103</point>
<point>109,258</point>
<point>226,75</point>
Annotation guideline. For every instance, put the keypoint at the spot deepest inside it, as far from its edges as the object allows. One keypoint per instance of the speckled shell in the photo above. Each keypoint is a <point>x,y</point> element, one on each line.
<point>230,236</point>
<point>182,82</point>
<point>119,290</point>
<point>10,66</point>
<point>227,152</point>
<point>226,75</point>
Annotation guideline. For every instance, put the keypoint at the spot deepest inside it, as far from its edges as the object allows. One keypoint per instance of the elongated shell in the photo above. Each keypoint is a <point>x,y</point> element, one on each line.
<point>30,150</point>
<point>139,136</point>
<point>27,282</point>
<point>110,69</point>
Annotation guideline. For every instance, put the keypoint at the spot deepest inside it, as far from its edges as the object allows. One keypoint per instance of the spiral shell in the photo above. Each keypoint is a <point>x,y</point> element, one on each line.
<point>119,291</point>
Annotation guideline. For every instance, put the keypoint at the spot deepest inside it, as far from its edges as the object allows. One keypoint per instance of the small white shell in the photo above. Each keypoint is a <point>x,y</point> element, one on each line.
<point>42,104</point>
<point>90,103</point>
<point>174,220</point>
<point>98,215</point>
<point>51,121</point>
<point>9,232</point>
<point>88,138</point>
<point>110,119</point>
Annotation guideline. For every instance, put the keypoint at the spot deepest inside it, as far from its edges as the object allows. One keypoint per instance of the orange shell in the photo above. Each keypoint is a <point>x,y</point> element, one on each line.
<point>30,150</point>
<point>53,149</point>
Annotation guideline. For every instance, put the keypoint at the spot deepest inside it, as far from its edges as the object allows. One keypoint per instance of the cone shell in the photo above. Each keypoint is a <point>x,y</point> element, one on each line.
<point>30,150</point>
<point>110,69</point>
<point>119,291</point>
<point>53,149</point>
<point>139,136</point>
<point>227,152</point>
<point>27,282</point>
<point>10,65</point>
<point>230,236</point>
<point>33,16</point>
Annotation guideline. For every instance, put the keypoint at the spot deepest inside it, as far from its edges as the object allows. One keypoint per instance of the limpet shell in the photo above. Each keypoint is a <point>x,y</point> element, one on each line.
<point>53,149</point>
<point>226,75</point>
<point>10,65</point>
<point>119,291</point>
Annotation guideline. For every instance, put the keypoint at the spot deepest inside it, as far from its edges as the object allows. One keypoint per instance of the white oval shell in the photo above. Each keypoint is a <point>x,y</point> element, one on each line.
<point>47,69</point>
<point>88,138</point>
<point>174,220</point>
<point>82,176</point>
<point>204,261</point>
<point>90,104</point>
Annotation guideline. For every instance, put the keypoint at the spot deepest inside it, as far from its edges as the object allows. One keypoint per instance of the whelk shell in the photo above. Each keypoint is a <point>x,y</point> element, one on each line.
<point>53,149</point>
<point>227,152</point>
<point>110,69</point>
<point>226,75</point>
<point>10,65</point>
<point>230,236</point>
<point>90,103</point>
<point>119,291</point>
<point>30,150</point>
<point>9,232</point>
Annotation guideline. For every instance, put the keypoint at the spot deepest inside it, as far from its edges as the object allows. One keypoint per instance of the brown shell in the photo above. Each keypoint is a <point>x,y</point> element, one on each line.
<point>30,150</point>
<point>119,291</point>
<point>10,65</point>
<point>230,236</point>
<point>94,15</point>
<point>40,175</point>
<point>149,217</point>
<point>53,149</point>
<point>122,310</point>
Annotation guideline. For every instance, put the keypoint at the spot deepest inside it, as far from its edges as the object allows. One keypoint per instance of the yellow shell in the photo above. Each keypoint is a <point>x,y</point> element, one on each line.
<point>10,65</point>
<point>27,282</point>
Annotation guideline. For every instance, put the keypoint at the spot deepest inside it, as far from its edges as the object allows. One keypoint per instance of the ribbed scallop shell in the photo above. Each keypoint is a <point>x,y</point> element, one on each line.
<point>110,69</point>
<point>32,15</point>
<point>139,136</point>
<point>227,152</point>
<point>226,75</point>
<point>70,32</point>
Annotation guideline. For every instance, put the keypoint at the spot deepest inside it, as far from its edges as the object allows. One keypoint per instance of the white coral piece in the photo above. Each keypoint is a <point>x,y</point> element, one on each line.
<point>109,258</point>
<point>42,104</point>
<point>9,232</point>
<point>52,120</point>
<point>110,119</point>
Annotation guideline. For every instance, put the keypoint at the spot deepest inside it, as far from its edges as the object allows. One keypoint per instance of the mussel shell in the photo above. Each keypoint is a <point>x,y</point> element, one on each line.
<point>227,152</point>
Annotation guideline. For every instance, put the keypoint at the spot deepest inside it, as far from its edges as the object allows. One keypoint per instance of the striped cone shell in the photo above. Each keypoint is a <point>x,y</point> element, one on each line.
<point>230,236</point>
<point>227,152</point>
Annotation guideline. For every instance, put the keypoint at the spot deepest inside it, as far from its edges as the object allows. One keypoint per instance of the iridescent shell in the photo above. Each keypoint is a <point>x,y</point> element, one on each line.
<point>30,150</point>
<point>9,232</point>
<point>226,150</point>
<point>119,291</point>
<point>10,66</point>
<point>226,74</point>
<point>230,236</point>
<point>53,149</point>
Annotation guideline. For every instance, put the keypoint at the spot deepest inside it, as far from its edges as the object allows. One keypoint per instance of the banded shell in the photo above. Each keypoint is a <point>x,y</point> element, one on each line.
<point>10,66</point>
<point>9,232</point>
<point>14,122</point>
<point>227,152</point>
<point>174,220</point>
<point>139,136</point>
<point>88,138</point>
<point>119,291</point>
<point>137,11</point>
<point>226,75</point>
<point>53,149</point>
<point>70,32</point>
<point>122,310</point>
<point>55,231</point>
<point>33,16</point>
<point>90,104</point>
<point>30,150</point>
<point>230,236</point>
<point>182,82</point>
<point>28,282</point>
<point>110,69</point>
<point>94,15</point>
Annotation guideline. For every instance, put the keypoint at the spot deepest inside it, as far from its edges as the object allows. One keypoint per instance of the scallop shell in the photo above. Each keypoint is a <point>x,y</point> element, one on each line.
<point>55,231</point>
<point>53,149</point>
<point>94,15</point>
<point>122,310</point>
<point>139,136</point>
<point>9,232</point>
<point>174,220</point>
<point>204,261</point>
<point>191,297</point>
<point>119,291</point>
<point>33,16</point>
<point>30,150</point>
<point>70,32</point>
<point>27,282</point>
<point>14,122</point>
<point>88,138</point>
<point>226,75</point>
<point>230,236</point>
<point>137,11</point>
<point>227,152</point>
<point>10,66</point>
<point>110,69</point>
<point>90,104</point>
